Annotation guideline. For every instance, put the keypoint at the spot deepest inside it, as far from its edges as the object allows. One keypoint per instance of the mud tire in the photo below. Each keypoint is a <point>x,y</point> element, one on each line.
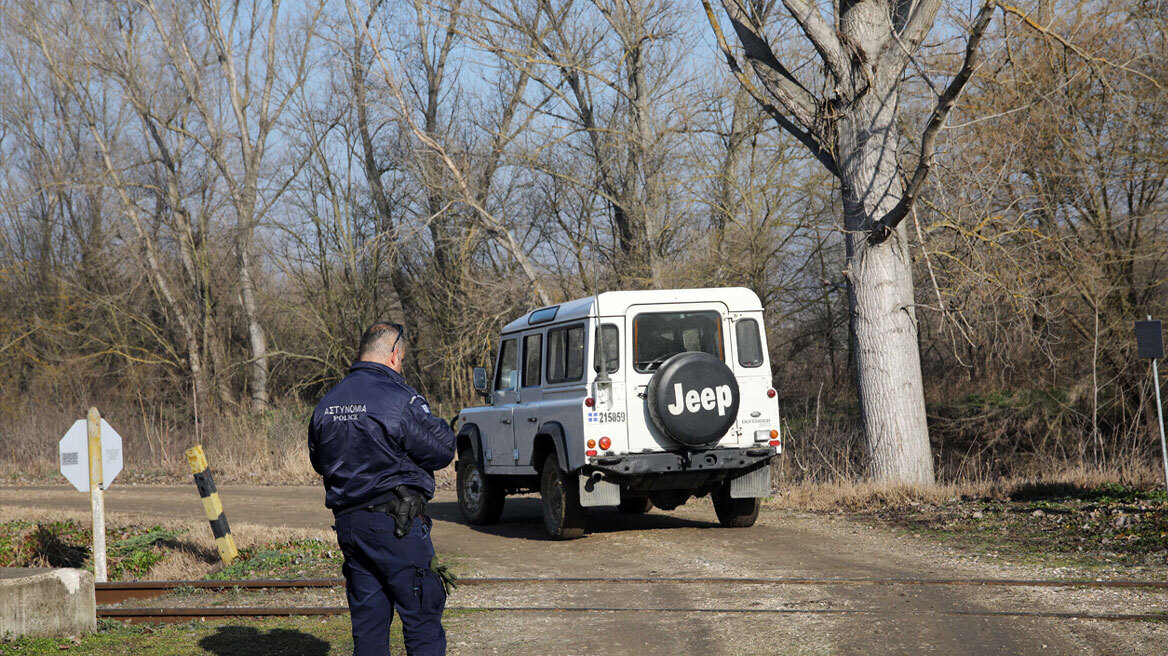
<point>563,516</point>
<point>735,513</point>
<point>480,498</point>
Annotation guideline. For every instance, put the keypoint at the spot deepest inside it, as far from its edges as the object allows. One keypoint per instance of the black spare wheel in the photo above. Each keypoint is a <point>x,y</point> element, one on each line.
<point>693,398</point>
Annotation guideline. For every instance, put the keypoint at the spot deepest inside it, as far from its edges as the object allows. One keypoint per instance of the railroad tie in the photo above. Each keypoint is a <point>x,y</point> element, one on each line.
<point>211,504</point>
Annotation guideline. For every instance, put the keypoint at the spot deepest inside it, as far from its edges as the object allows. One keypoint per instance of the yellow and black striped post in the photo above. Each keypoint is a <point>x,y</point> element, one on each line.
<point>211,504</point>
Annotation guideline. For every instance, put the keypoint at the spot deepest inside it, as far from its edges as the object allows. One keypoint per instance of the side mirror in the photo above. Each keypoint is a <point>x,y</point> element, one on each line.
<point>480,381</point>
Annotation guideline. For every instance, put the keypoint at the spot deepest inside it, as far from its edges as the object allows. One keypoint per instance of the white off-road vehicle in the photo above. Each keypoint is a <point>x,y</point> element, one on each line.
<point>632,399</point>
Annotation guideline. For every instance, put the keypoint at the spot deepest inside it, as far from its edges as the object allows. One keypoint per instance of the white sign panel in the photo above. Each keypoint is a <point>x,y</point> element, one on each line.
<point>74,454</point>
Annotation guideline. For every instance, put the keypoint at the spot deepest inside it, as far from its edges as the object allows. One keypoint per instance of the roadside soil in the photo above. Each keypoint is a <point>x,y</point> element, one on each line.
<point>688,542</point>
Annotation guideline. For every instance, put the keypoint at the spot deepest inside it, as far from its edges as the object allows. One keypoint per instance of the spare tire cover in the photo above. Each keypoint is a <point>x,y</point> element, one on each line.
<point>693,398</point>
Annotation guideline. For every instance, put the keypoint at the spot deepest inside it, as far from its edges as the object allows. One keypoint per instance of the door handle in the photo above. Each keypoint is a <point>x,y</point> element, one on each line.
<point>533,419</point>
<point>506,421</point>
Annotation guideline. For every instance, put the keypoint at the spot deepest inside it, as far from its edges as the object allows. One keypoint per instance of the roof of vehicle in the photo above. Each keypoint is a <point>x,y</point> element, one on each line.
<point>608,304</point>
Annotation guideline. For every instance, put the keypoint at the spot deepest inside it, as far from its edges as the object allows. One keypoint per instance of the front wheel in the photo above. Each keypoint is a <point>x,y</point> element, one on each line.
<point>735,513</point>
<point>563,516</point>
<point>480,499</point>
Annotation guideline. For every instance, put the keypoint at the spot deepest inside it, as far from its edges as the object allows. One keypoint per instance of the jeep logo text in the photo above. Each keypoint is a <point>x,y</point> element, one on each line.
<point>707,399</point>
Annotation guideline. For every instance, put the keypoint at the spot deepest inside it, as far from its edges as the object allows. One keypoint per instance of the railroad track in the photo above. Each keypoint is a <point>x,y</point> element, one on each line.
<point>171,615</point>
<point>114,593</point>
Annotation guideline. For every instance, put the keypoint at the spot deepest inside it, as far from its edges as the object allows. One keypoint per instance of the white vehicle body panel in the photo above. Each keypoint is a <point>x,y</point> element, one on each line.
<point>510,424</point>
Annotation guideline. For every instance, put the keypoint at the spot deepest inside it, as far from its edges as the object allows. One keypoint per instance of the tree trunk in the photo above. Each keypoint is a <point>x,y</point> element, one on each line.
<point>256,339</point>
<point>728,203</point>
<point>880,293</point>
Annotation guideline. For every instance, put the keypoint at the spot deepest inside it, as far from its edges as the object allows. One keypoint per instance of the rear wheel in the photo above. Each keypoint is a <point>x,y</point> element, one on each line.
<point>563,517</point>
<point>480,499</point>
<point>635,505</point>
<point>735,513</point>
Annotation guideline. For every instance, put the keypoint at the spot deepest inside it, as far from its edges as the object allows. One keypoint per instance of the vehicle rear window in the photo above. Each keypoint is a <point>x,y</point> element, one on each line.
<point>659,335</point>
<point>607,348</point>
<point>749,343</point>
<point>565,357</point>
<point>531,352</point>
<point>506,375</point>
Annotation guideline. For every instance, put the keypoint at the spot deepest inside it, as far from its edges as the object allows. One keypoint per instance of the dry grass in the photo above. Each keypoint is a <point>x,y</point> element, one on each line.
<point>267,449</point>
<point>979,447</point>
<point>193,554</point>
<point>860,495</point>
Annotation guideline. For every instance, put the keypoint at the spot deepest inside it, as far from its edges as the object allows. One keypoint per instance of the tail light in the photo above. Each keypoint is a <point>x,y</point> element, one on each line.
<point>771,393</point>
<point>605,443</point>
<point>590,402</point>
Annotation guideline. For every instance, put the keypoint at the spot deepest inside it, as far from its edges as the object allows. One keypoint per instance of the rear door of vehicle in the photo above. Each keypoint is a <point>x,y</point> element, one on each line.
<point>655,333</point>
<point>758,411</point>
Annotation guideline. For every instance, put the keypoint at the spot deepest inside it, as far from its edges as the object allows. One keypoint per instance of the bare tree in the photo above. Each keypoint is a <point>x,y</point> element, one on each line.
<point>851,127</point>
<point>248,42</point>
<point>442,167</point>
<point>167,119</point>
<point>609,69</point>
<point>1050,226</point>
<point>55,32</point>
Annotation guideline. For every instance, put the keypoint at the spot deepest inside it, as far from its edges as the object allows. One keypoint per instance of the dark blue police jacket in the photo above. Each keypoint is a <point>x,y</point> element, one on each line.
<point>373,432</point>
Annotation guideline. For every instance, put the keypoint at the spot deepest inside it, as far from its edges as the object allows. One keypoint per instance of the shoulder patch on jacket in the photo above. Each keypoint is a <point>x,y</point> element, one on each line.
<point>420,403</point>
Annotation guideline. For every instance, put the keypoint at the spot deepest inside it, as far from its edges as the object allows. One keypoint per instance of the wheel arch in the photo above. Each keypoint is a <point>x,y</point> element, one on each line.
<point>468,437</point>
<point>550,438</point>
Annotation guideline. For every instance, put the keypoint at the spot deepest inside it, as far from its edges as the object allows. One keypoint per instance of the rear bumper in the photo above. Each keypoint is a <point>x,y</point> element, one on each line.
<point>720,461</point>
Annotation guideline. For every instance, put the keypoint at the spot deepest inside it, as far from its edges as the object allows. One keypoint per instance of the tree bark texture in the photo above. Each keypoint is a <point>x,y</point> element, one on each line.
<point>880,293</point>
<point>257,341</point>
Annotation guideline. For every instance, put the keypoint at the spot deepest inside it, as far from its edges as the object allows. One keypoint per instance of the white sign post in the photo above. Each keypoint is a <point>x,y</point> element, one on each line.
<point>92,473</point>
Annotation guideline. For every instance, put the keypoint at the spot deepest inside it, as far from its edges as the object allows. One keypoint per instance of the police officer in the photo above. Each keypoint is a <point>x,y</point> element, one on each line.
<point>377,444</point>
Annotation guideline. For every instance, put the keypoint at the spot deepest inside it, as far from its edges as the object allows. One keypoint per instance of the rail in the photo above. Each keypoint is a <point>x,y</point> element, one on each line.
<point>116,592</point>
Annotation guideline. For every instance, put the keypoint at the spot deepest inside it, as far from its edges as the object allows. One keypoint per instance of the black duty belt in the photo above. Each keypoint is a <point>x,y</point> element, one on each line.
<point>403,507</point>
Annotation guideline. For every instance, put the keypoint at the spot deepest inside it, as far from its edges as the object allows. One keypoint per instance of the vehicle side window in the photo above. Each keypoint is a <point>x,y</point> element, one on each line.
<point>531,358</point>
<point>506,376</point>
<point>607,348</point>
<point>565,361</point>
<point>749,343</point>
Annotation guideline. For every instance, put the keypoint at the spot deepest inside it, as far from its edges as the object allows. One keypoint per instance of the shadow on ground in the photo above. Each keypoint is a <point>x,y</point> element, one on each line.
<point>523,518</point>
<point>240,640</point>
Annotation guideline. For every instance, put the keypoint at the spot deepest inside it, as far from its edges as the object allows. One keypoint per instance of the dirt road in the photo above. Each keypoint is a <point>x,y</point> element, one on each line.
<point>814,619</point>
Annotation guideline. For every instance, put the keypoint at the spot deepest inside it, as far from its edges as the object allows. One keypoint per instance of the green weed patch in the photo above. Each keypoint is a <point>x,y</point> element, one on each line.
<point>130,553</point>
<point>294,559</point>
<point>44,544</point>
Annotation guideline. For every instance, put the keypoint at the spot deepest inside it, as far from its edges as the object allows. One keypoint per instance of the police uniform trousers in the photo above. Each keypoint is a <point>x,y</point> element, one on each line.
<point>384,573</point>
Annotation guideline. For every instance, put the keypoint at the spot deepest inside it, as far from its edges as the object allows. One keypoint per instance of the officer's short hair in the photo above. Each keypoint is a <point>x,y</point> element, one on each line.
<point>381,337</point>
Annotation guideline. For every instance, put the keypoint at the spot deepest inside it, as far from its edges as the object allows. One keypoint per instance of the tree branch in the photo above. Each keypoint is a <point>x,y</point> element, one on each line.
<point>807,138</point>
<point>795,98</point>
<point>821,35</point>
<point>887,223</point>
<point>908,38</point>
<point>1022,16</point>
<point>489,222</point>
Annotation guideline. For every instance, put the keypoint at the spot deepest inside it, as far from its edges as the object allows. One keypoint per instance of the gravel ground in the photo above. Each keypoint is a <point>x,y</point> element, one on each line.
<point>894,619</point>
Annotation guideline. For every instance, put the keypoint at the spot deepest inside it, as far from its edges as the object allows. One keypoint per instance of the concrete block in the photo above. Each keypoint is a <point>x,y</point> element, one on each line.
<point>46,602</point>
